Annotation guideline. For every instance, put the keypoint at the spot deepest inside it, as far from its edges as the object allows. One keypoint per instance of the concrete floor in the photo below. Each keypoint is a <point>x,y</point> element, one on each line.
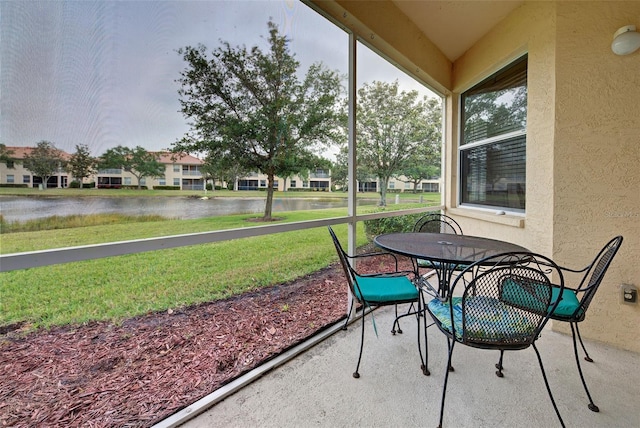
<point>316,388</point>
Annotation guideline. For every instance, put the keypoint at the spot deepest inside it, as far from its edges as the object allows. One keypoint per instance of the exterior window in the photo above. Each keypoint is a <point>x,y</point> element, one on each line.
<point>127,181</point>
<point>176,182</point>
<point>263,183</point>
<point>10,164</point>
<point>408,185</point>
<point>110,171</point>
<point>177,168</point>
<point>143,181</point>
<point>10,178</point>
<point>392,185</point>
<point>493,140</point>
<point>26,179</point>
<point>305,184</point>
<point>162,181</point>
<point>293,183</point>
<point>430,187</point>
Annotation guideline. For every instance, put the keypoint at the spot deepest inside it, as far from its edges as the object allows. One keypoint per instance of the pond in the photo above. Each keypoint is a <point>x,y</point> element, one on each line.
<point>15,208</point>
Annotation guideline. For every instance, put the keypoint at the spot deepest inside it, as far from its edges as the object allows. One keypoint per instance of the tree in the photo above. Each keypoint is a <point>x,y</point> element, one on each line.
<point>139,162</point>
<point>6,155</point>
<point>44,161</point>
<point>391,125</point>
<point>424,162</point>
<point>251,108</point>
<point>81,164</point>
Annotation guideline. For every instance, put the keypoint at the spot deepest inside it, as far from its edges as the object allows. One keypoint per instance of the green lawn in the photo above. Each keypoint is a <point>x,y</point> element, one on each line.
<point>120,287</point>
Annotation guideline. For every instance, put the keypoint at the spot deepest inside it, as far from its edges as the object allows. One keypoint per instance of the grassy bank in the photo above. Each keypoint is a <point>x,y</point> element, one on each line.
<point>120,287</point>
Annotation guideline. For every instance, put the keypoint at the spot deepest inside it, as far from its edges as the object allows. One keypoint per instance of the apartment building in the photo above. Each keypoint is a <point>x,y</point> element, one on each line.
<point>181,170</point>
<point>13,172</point>
<point>317,180</point>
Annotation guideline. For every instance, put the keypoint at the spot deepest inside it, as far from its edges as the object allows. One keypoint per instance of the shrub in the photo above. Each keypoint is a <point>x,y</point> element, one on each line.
<point>209,186</point>
<point>74,185</point>
<point>379,226</point>
<point>166,187</point>
<point>14,185</point>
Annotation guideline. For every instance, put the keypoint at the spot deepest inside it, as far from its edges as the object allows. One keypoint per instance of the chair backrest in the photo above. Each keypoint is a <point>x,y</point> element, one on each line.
<point>344,261</point>
<point>506,300</point>
<point>437,223</point>
<point>595,272</point>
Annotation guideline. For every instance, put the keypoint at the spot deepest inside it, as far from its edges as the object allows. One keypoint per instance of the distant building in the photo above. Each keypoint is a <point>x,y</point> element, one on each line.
<point>183,171</point>
<point>14,172</point>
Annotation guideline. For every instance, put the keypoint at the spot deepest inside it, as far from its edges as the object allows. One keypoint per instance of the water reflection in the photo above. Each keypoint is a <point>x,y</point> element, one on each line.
<point>15,208</point>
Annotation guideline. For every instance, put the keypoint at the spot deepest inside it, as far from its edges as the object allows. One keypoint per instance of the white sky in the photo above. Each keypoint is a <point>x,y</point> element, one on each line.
<point>103,73</point>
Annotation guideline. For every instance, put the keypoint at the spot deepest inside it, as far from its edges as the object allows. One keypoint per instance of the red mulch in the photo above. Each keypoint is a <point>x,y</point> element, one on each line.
<point>149,367</point>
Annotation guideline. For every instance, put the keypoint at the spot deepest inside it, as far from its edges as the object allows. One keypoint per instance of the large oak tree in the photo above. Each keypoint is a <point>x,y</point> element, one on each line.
<point>251,108</point>
<point>392,126</point>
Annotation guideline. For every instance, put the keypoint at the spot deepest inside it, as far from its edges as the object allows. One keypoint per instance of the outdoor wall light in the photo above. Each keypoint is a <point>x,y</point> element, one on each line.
<point>626,40</point>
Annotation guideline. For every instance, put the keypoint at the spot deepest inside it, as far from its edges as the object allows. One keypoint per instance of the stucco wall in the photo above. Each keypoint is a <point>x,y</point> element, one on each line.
<point>597,147</point>
<point>529,29</point>
<point>583,146</point>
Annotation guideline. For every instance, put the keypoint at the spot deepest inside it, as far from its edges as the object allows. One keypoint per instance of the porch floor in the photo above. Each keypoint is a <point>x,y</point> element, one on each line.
<point>316,388</point>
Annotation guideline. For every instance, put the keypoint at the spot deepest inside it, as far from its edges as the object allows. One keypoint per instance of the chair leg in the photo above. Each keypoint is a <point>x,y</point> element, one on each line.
<point>446,379</point>
<point>591,405</point>
<point>346,322</point>
<point>449,343</point>
<point>396,322</point>
<point>587,357</point>
<point>421,313</point>
<point>356,374</point>
<point>499,364</point>
<point>546,383</point>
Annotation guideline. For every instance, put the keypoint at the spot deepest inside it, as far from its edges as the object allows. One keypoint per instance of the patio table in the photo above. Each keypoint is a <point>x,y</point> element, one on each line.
<point>447,252</point>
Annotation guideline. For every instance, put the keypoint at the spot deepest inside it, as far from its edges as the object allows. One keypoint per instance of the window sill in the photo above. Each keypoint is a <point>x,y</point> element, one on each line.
<point>512,220</point>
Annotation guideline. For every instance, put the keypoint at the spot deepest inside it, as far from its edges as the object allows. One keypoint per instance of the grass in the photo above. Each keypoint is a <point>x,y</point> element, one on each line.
<point>72,221</point>
<point>121,287</point>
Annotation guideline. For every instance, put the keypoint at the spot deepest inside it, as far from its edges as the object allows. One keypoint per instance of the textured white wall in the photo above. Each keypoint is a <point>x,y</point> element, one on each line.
<point>597,151</point>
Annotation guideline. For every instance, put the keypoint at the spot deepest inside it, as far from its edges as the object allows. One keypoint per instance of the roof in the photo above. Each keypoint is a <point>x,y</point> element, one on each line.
<point>164,157</point>
<point>22,152</point>
<point>181,158</point>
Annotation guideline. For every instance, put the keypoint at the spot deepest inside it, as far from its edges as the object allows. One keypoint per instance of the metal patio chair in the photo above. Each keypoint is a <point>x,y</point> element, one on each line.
<point>379,289</point>
<point>575,302</point>
<point>499,303</point>
<point>435,223</point>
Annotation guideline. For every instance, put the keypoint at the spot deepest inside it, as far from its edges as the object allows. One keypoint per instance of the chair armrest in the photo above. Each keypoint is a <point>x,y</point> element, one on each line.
<point>394,272</point>
<point>377,254</point>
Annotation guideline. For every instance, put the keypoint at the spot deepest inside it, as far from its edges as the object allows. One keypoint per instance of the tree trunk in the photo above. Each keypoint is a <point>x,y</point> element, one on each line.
<point>269,204</point>
<point>383,192</point>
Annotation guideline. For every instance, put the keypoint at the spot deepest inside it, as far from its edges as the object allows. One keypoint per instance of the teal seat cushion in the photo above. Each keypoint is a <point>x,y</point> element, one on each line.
<point>525,296</point>
<point>381,289</point>
<point>486,319</point>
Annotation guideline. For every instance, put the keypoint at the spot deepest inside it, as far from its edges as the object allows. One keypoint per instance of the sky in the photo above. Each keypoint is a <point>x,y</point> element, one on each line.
<point>103,73</point>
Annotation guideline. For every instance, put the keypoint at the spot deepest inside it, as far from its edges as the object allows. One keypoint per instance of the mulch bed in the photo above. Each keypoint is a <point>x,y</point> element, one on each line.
<point>137,373</point>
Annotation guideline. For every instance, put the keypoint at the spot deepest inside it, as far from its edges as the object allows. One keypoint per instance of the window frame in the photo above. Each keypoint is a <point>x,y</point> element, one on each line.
<point>508,136</point>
